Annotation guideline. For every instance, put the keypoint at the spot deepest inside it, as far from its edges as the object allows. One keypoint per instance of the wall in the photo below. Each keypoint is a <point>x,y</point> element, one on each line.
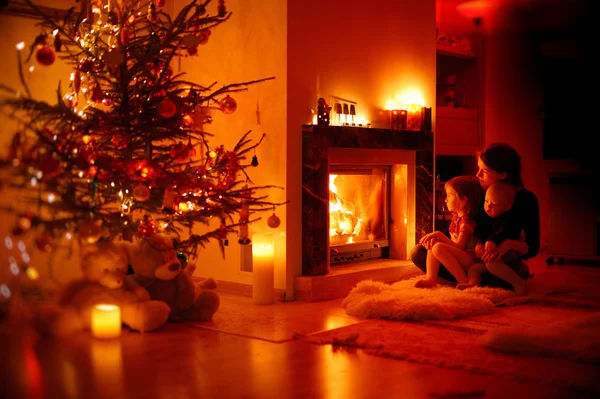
<point>368,53</point>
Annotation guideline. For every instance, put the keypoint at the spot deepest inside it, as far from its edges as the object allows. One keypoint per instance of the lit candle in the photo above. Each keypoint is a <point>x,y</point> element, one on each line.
<point>414,117</point>
<point>263,254</point>
<point>106,321</point>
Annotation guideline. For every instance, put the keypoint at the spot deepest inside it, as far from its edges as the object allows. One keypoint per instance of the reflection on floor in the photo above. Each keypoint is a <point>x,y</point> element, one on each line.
<point>250,351</point>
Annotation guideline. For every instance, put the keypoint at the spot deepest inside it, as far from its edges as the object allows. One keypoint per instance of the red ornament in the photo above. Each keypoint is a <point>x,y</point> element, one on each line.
<point>167,108</point>
<point>141,193</point>
<point>160,3</point>
<point>45,242</point>
<point>89,232</point>
<point>45,56</point>
<point>192,50</point>
<point>146,226</point>
<point>228,105</point>
<point>180,152</point>
<point>273,221</point>
<point>125,36</point>
<point>49,166</point>
<point>204,34</point>
<point>97,94</point>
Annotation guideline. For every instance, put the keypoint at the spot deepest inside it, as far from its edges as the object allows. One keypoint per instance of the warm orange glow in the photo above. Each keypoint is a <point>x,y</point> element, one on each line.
<point>106,321</point>
<point>86,139</point>
<point>342,214</point>
<point>404,97</point>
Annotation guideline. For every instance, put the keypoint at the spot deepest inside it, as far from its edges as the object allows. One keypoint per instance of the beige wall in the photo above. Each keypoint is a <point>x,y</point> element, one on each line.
<point>367,52</point>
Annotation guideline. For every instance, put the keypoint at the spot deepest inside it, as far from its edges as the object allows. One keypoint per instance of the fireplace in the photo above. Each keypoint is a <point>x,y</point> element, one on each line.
<point>367,194</point>
<point>358,213</point>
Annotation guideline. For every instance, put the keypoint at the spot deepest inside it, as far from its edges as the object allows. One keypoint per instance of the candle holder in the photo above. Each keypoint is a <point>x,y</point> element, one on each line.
<point>398,119</point>
<point>426,119</point>
<point>414,117</point>
<point>106,321</point>
<point>263,265</point>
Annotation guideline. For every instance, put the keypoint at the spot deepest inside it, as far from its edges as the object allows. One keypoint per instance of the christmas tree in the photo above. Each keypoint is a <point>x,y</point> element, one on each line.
<point>125,151</point>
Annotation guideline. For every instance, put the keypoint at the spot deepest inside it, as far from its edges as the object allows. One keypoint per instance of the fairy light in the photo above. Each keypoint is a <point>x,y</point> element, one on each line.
<point>20,46</point>
<point>8,242</point>
<point>31,69</point>
<point>4,291</point>
<point>33,182</point>
<point>25,257</point>
<point>12,265</point>
<point>68,235</point>
<point>21,246</point>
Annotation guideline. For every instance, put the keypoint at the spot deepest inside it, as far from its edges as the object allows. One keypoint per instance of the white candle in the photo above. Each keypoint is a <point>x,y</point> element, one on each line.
<point>106,321</point>
<point>263,254</point>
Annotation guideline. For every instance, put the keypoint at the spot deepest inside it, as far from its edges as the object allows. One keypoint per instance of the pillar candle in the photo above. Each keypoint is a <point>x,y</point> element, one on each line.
<point>106,321</point>
<point>414,117</point>
<point>263,255</point>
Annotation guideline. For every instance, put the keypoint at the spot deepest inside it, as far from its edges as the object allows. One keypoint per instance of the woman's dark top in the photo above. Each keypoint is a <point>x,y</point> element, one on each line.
<point>525,218</point>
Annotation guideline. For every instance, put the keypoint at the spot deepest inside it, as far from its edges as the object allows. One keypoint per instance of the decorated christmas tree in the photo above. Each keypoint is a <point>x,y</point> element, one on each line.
<point>126,151</point>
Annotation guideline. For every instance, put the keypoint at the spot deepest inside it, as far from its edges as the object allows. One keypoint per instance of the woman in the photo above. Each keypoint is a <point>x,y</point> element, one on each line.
<point>501,162</point>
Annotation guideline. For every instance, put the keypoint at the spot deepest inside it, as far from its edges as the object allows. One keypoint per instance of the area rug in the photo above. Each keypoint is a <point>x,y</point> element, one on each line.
<point>457,347</point>
<point>402,301</point>
<point>576,338</point>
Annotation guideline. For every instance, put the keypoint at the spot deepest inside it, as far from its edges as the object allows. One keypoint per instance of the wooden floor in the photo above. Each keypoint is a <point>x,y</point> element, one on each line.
<point>248,351</point>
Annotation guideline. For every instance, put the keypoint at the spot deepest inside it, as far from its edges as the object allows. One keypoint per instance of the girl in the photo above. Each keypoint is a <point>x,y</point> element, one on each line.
<point>463,199</point>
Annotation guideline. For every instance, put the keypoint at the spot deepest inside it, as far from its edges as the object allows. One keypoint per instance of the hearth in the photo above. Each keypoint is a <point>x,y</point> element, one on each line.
<point>367,194</point>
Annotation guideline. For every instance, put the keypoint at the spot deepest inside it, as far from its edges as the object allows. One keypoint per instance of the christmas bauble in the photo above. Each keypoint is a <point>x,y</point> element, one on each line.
<point>228,105</point>
<point>45,242</point>
<point>167,108</point>
<point>45,56</point>
<point>89,232</point>
<point>141,193</point>
<point>146,226</point>
<point>273,221</point>
<point>204,34</point>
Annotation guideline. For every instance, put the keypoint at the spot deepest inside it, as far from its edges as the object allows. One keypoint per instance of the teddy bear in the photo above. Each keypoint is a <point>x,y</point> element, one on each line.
<point>158,269</point>
<point>104,281</point>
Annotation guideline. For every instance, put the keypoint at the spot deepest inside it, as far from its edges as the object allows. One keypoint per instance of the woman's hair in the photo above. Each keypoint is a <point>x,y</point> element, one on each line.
<point>502,158</point>
<point>468,187</point>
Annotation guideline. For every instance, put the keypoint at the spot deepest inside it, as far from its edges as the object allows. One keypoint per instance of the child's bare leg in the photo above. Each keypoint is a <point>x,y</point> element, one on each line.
<point>507,274</point>
<point>473,276</point>
<point>433,267</point>
<point>454,259</point>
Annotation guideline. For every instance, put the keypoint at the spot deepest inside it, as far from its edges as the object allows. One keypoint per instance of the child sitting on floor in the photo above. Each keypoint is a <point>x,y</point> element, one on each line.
<point>457,253</point>
<point>499,198</point>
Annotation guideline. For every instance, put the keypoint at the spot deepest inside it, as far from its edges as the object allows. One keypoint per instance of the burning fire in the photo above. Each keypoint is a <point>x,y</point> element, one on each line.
<point>342,215</point>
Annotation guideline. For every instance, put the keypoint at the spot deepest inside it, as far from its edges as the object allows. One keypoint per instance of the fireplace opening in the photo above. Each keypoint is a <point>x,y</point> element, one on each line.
<point>358,213</point>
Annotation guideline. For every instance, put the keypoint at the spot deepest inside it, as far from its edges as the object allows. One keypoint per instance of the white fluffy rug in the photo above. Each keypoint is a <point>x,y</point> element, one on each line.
<point>402,301</point>
<point>576,338</point>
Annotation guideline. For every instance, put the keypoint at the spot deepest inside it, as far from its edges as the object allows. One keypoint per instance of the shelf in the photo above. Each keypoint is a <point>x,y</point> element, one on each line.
<point>457,113</point>
<point>454,52</point>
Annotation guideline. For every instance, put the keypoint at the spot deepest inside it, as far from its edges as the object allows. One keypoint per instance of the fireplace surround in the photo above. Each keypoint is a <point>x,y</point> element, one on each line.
<point>329,147</point>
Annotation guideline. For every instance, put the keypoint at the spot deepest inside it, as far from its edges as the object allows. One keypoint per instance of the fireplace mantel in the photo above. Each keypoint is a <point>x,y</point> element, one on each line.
<point>316,144</point>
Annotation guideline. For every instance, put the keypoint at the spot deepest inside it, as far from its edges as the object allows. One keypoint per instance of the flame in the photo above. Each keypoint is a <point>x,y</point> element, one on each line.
<point>342,218</point>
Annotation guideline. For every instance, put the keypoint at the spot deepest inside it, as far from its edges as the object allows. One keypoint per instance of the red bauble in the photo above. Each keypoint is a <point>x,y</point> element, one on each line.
<point>228,105</point>
<point>141,193</point>
<point>273,221</point>
<point>146,226</point>
<point>45,56</point>
<point>160,3</point>
<point>97,94</point>
<point>89,232</point>
<point>45,242</point>
<point>192,50</point>
<point>204,34</point>
<point>167,108</point>
<point>49,166</point>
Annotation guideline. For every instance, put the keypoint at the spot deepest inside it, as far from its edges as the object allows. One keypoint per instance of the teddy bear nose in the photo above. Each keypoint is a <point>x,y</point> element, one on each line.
<point>174,267</point>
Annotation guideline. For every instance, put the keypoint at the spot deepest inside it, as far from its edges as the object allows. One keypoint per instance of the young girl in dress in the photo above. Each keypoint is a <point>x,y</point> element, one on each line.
<point>457,253</point>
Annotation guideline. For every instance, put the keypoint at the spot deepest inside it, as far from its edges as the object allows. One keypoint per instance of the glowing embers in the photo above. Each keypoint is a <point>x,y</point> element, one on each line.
<point>357,206</point>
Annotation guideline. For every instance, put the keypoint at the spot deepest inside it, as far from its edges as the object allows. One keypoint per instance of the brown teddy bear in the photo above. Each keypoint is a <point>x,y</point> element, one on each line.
<point>104,281</point>
<point>157,268</point>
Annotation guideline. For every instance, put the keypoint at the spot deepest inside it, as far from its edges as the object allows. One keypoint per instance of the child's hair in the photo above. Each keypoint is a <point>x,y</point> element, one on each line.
<point>468,187</point>
<point>504,191</point>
